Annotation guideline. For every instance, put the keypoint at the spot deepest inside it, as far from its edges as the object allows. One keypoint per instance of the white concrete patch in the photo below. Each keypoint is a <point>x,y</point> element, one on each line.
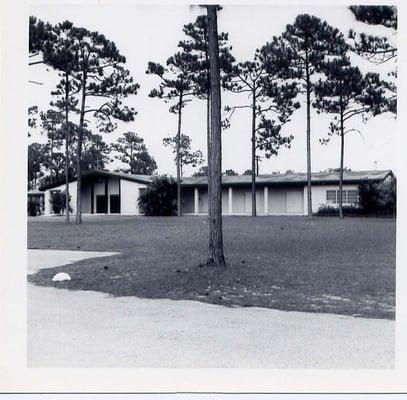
<point>61,276</point>
<point>89,329</point>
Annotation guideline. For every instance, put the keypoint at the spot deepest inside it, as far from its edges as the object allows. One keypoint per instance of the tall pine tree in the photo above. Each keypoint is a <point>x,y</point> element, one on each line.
<point>61,54</point>
<point>100,75</point>
<point>347,93</point>
<point>271,103</point>
<point>177,87</point>
<point>215,255</point>
<point>305,45</point>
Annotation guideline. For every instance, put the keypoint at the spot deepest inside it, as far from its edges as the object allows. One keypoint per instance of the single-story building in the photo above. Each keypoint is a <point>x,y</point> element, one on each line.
<point>277,194</point>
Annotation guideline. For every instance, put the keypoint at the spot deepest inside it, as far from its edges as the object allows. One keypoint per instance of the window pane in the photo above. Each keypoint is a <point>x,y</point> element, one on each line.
<point>343,196</point>
<point>353,196</point>
<point>331,196</point>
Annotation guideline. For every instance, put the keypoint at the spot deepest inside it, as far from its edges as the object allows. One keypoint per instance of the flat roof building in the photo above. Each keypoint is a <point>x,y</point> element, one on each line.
<point>276,194</point>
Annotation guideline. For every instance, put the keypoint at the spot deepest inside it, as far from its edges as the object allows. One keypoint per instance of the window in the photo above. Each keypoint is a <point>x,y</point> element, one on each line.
<point>114,204</point>
<point>353,196</point>
<point>101,204</point>
<point>348,196</point>
<point>344,193</point>
<point>331,196</point>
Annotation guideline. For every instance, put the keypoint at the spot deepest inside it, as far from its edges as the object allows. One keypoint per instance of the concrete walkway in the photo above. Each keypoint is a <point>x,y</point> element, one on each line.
<point>90,329</point>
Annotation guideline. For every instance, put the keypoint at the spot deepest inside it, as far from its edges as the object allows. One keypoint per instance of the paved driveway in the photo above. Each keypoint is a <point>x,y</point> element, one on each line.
<point>90,329</point>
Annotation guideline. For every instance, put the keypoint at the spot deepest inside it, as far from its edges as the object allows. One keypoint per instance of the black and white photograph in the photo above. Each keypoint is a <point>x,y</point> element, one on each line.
<point>210,186</point>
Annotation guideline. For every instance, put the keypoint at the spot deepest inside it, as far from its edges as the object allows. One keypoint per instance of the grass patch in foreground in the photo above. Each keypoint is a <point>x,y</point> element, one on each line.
<point>344,267</point>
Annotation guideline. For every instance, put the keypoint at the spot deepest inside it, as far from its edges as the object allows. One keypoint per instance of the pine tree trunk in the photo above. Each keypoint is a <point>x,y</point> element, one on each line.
<point>67,134</point>
<point>341,169</point>
<point>254,154</point>
<point>308,89</point>
<point>179,211</point>
<point>78,219</point>
<point>208,145</point>
<point>208,137</point>
<point>52,157</point>
<point>216,256</point>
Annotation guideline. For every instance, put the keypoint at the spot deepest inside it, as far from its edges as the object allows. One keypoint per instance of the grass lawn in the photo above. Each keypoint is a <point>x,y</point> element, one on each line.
<point>286,263</point>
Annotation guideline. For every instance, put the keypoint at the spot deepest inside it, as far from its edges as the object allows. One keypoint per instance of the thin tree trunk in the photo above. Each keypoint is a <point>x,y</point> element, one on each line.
<point>341,169</point>
<point>179,211</point>
<point>208,145</point>
<point>308,89</point>
<point>52,157</point>
<point>216,256</point>
<point>78,219</point>
<point>254,154</point>
<point>208,135</point>
<point>67,134</point>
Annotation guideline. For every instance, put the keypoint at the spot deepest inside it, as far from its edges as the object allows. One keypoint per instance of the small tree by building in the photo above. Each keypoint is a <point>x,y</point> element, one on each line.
<point>58,202</point>
<point>378,198</point>
<point>159,198</point>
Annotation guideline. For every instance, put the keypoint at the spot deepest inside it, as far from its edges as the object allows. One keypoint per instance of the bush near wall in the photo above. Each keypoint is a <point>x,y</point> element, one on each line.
<point>375,199</point>
<point>33,207</point>
<point>58,202</point>
<point>160,198</point>
<point>327,210</point>
<point>378,198</point>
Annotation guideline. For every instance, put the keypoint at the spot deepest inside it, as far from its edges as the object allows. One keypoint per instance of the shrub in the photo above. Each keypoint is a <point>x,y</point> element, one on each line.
<point>378,198</point>
<point>34,209</point>
<point>326,210</point>
<point>58,202</point>
<point>160,198</point>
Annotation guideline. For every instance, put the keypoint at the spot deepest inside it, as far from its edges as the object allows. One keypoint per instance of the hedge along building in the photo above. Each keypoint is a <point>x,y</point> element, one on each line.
<point>277,194</point>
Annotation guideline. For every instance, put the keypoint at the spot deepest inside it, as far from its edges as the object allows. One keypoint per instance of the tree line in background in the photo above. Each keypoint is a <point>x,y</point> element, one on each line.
<point>309,63</point>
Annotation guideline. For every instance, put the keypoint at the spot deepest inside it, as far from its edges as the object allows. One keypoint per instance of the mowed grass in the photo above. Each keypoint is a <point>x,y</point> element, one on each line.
<point>286,263</point>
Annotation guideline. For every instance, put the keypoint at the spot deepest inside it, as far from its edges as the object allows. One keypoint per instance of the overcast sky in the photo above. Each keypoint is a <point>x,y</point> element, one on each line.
<point>151,33</point>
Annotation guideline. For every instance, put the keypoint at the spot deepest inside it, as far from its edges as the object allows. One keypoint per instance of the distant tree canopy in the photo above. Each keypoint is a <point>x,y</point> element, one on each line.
<point>230,172</point>
<point>35,159</point>
<point>132,151</point>
<point>96,152</point>
<point>186,155</point>
<point>202,171</point>
<point>376,15</point>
